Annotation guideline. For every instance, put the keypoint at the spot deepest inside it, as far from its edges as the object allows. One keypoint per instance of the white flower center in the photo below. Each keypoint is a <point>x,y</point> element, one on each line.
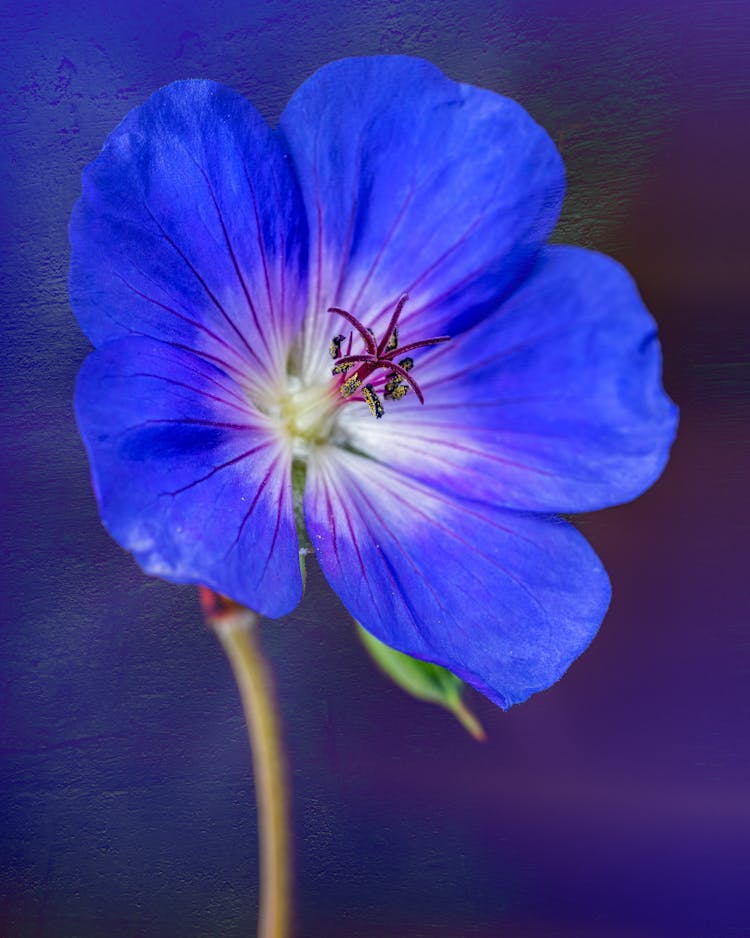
<point>307,415</point>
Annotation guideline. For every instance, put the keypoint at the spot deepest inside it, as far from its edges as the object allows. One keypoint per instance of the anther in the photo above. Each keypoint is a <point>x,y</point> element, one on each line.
<point>392,382</point>
<point>373,401</point>
<point>334,349</point>
<point>350,385</point>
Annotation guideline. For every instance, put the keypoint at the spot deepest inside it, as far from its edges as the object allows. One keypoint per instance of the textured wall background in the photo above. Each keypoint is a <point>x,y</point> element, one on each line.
<point>616,803</point>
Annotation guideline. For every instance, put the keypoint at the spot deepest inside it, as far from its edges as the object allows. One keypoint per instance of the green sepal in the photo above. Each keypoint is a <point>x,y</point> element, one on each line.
<point>423,680</point>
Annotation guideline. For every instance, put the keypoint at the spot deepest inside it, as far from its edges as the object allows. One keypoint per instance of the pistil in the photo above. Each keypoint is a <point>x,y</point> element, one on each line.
<point>377,356</point>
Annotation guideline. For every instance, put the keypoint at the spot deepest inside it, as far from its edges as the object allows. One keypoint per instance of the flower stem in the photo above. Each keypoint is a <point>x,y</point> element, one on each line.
<point>235,629</point>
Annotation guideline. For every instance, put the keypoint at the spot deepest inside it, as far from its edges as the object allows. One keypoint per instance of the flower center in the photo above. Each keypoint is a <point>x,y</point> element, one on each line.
<point>307,414</point>
<point>382,367</point>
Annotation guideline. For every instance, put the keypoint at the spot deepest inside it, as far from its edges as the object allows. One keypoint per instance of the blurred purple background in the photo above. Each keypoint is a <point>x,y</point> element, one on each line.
<point>616,804</point>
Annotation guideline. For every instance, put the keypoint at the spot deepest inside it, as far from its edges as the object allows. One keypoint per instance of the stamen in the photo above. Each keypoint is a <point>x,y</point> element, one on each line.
<point>350,385</point>
<point>397,393</point>
<point>392,382</point>
<point>334,349</point>
<point>373,401</point>
<point>407,377</point>
<point>395,389</point>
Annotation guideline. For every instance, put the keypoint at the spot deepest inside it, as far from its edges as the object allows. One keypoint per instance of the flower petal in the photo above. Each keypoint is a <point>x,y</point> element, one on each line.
<point>191,230</point>
<point>188,476</point>
<point>504,600</point>
<point>415,184</point>
<point>555,403</point>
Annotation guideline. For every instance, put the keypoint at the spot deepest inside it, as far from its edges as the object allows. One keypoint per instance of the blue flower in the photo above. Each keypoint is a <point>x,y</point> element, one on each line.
<point>259,301</point>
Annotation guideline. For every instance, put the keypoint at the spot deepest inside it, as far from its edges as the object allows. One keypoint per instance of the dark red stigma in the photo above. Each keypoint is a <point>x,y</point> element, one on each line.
<point>377,356</point>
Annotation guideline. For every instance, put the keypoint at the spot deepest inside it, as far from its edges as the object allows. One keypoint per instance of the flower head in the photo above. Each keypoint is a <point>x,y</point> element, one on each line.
<point>363,299</point>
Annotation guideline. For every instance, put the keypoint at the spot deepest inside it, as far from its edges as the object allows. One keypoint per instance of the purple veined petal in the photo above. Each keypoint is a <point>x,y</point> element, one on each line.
<point>503,599</point>
<point>554,403</point>
<point>191,230</point>
<point>189,477</point>
<point>414,183</point>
